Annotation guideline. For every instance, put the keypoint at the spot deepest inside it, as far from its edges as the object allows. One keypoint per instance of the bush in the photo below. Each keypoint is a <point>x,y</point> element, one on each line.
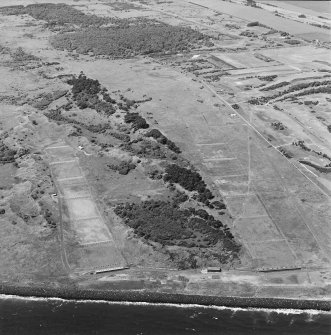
<point>138,122</point>
<point>20,55</point>
<point>165,223</point>
<point>157,135</point>
<point>7,155</point>
<point>85,92</point>
<point>253,24</point>
<point>189,180</point>
<point>85,85</point>
<point>123,167</point>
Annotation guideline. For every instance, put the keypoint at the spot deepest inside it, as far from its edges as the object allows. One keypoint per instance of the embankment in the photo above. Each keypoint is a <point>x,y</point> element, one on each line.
<point>156,297</point>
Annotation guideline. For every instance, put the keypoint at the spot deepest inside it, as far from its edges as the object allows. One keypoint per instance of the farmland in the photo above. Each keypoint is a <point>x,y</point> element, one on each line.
<point>139,134</point>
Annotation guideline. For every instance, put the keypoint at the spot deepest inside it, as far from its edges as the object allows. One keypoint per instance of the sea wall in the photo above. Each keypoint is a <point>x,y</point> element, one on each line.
<point>155,297</point>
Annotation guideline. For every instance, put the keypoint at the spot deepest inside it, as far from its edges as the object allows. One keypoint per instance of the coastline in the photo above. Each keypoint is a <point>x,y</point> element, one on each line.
<point>165,298</point>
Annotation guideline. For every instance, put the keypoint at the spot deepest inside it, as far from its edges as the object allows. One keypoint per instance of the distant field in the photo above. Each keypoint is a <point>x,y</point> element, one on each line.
<point>302,54</point>
<point>318,6</point>
<point>264,17</point>
<point>243,60</point>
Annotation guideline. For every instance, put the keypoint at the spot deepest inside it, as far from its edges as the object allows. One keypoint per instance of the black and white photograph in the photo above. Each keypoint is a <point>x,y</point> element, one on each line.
<point>165,167</point>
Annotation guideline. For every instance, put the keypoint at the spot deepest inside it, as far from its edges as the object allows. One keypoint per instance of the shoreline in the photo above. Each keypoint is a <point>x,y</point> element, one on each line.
<point>165,298</point>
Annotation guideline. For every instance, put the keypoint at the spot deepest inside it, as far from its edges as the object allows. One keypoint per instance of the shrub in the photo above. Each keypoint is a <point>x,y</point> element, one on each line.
<point>19,55</point>
<point>123,167</point>
<point>84,84</point>
<point>165,223</point>
<point>7,155</point>
<point>253,24</point>
<point>157,135</point>
<point>85,92</point>
<point>189,180</point>
<point>137,121</point>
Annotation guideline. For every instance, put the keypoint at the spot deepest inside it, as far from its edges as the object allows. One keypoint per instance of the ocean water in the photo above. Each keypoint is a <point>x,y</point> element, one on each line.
<point>57,316</point>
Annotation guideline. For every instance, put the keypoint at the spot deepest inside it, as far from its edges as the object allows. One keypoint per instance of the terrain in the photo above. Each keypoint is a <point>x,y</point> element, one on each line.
<point>145,145</point>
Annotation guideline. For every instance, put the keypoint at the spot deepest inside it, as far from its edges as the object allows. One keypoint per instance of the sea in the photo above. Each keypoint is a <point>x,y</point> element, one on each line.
<point>35,316</point>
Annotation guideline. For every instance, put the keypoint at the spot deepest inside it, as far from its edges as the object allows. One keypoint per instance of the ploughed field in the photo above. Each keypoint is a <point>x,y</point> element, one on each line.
<point>138,142</point>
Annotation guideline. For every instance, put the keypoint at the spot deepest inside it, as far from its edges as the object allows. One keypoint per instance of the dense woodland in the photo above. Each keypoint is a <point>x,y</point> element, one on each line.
<point>114,37</point>
<point>167,224</point>
<point>138,39</point>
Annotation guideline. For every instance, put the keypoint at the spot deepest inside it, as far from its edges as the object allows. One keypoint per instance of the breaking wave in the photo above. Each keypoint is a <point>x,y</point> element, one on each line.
<point>309,312</point>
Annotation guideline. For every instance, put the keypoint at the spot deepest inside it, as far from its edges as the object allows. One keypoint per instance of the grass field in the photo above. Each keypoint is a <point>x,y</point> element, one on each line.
<point>269,19</point>
<point>96,248</point>
<point>302,54</point>
<point>215,141</point>
<point>243,60</point>
<point>91,231</point>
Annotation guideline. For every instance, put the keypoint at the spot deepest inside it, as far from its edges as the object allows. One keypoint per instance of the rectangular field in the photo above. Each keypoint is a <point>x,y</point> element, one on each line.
<point>82,208</point>
<point>60,153</point>
<point>302,54</point>
<point>272,254</point>
<point>91,231</point>
<point>260,229</point>
<point>224,167</point>
<point>262,186</point>
<point>264,17</point>
<point>232,185</point>
<point>103,255</point>
<point>75,188</point>
<point>243,60</point>
<point>215,151</point>
<point>289,220</point>
<point>66,170</point>
<point>92,257</point>
<point>246,206</point>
